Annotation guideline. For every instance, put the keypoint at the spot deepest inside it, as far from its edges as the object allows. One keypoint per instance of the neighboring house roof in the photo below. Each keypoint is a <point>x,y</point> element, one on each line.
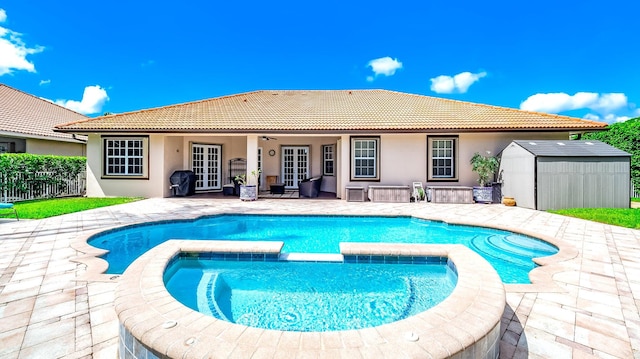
<point>585,148</point>
<point>24,115</point>
<point>324,111</point>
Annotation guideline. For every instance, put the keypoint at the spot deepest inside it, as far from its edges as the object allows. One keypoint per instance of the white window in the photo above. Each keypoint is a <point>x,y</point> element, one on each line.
<point>442,158</point>
<point>328,160</point>
<point>125,156</point>
<point>365,158</point>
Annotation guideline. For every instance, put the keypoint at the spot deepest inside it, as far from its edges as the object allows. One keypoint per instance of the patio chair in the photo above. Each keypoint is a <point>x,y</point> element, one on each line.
<point>310,187</point>
<point>10,206</point>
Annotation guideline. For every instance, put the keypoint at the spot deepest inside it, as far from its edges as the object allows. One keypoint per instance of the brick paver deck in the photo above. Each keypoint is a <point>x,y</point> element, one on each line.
<point>592,310</point>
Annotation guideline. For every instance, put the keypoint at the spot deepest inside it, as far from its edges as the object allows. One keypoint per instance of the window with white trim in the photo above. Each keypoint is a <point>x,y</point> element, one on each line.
<point>328,160</point>
<point>125,156</point>
<point>442,154</point>
<point>365,158</point>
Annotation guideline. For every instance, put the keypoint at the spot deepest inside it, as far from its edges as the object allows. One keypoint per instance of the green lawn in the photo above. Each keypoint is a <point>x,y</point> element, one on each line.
<point>623,217</point>
<point>44,208</point>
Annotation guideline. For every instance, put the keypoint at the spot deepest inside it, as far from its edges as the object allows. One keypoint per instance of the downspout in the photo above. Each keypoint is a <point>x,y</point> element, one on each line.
<point>535,182</point>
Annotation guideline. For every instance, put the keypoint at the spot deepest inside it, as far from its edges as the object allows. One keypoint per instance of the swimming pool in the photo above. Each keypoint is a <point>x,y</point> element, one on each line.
<point>307,296</point>
<point>509,253</point>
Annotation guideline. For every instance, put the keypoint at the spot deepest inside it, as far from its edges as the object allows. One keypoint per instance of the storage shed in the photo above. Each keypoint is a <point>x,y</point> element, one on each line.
<point>565,174</point>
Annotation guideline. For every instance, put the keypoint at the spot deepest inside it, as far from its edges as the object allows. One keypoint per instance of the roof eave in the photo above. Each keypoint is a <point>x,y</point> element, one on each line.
<point>331,130</point>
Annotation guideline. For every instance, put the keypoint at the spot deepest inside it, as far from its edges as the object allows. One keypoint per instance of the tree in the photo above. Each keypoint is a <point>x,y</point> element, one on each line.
<point>623,136</point>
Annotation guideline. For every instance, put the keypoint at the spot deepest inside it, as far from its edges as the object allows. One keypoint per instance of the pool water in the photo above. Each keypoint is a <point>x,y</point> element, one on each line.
<point>305,296</point>
<point>510,254</point>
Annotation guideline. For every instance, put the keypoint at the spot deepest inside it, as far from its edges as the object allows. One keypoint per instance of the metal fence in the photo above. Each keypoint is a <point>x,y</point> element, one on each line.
<point>635,192</point>
<point>63,187</point>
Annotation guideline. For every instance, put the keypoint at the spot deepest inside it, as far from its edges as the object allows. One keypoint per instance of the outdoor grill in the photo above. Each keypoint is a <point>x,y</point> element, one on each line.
<point>183,183</point>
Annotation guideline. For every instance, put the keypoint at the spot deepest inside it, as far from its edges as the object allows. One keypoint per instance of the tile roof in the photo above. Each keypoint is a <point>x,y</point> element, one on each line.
<point>323,111</point>
<point>25,115</point>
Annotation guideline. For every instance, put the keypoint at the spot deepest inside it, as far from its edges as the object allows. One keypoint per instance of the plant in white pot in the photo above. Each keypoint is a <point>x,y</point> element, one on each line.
<point>485,166</point>
<point>248,185</point>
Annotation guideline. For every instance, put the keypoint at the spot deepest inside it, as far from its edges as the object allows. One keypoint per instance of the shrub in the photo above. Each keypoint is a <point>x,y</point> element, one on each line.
<point>30,173</point>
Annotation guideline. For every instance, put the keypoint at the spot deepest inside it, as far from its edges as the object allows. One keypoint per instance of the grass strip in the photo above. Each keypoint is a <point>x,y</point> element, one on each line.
<point>45,208</point>
<point>624,217</point>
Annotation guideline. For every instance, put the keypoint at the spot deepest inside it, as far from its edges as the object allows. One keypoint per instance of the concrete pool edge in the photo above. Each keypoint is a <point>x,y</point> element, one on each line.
<point>467,323</point>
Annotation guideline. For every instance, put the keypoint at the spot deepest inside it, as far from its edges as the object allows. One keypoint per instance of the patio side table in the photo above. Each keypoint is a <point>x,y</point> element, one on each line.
<point>276,188</point>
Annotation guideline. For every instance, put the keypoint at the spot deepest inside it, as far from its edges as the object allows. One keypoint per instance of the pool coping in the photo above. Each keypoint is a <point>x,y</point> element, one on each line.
<point>466,323</point>
<point>541,277</point>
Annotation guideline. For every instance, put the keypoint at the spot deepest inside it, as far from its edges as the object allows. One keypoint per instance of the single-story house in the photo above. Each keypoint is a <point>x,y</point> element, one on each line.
<point>26,126</point>
<point>350,137</point>
<point>565,174</point>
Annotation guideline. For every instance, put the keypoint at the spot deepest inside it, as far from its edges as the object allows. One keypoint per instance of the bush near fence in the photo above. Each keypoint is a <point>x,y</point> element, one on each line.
<point>26,176</point>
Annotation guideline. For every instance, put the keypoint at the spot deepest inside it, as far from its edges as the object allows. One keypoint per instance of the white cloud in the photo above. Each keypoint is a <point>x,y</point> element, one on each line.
<point>610,118</point>
<point>383,66</point>
<point>93,98</point>
<point>459,83</point>
<point>44,82</point>
<point>610,102</point>
<point>607,106</point>
<point>558,102</point>
<point>13,51</point>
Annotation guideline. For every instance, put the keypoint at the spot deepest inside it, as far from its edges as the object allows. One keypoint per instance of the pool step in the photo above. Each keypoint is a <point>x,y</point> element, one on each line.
<point>311,257</point>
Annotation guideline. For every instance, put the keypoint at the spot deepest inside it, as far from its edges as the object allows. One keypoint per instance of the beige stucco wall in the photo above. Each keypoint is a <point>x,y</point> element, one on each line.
<point>59,148</point>
<point>403,159</point>
<point>154,186</point>
<point>171,161</point>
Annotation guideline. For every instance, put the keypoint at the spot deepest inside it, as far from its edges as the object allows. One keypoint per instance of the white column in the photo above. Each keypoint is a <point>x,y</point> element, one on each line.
<point>252,157</point>
<point>344,163</point>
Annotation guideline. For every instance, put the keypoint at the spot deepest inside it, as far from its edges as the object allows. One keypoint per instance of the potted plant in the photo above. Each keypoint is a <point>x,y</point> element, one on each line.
<point>485,166</point>
<point>248,186</point>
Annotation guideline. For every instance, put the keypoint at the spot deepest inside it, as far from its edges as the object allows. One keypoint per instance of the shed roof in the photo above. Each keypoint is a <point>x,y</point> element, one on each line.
<point>25,115</point>
<point>583,148</point>
<point>323,111</point>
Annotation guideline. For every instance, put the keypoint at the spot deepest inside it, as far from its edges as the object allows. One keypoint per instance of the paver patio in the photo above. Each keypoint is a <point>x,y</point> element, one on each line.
<point>592,312</point>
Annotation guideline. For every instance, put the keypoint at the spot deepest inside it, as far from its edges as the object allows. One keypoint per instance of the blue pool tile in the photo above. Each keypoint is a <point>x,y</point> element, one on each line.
<point>218,256</point>
<point>419,260</point>
<point>231,256</point>
<point>364,259</point>
<point>257,257</point>
<point>392,259</point>
<point>377,259</point>
<point>244,256</point>
<point>350,259</point>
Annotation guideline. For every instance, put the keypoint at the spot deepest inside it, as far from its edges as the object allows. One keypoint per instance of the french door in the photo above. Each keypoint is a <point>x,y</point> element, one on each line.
<point>206,164</point>
<point>295,165</point>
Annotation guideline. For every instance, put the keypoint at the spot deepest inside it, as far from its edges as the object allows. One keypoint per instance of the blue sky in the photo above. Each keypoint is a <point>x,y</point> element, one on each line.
<point>568,57</point>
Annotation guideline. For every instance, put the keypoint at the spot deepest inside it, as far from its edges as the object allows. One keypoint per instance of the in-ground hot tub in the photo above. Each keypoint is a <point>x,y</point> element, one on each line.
<point>154,324</point>
<point>316,293</point>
